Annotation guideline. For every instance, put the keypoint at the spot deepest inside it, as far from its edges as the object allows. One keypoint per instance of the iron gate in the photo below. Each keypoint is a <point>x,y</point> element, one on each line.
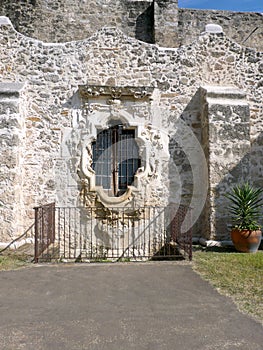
<point>96,234</point>
<point>44,228</point>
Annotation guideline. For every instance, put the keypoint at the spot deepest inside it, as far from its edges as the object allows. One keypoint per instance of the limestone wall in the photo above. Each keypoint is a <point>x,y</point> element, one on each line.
<point>165,22</point>
<point>158,21</point>
<point>246,28</point>
<point>226,131</point>
<point>55,72</point>
<point>12,143</point>
<point>67,20</point>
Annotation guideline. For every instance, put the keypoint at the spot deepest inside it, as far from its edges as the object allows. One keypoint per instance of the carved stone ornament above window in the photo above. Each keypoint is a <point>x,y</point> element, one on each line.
<point>116,92</point>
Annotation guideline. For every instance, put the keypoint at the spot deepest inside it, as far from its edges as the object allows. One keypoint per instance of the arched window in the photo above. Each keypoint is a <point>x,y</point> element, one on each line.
<point>115,157</point>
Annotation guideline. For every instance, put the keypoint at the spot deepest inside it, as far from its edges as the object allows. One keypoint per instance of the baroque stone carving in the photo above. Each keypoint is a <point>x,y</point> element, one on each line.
<point>116,91</point>
<point>105,106</point>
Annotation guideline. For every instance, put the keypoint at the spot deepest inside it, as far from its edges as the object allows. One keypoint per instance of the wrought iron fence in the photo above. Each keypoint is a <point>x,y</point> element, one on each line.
<point>97,234</point>
<point>44,229</point>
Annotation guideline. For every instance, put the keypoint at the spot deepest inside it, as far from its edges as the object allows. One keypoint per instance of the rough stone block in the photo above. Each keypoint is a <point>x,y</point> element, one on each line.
<point>213,28</point>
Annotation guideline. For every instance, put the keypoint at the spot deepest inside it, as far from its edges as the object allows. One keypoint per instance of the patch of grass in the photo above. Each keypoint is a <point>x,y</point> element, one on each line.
<point>12,262</point>
<point>238,275</point>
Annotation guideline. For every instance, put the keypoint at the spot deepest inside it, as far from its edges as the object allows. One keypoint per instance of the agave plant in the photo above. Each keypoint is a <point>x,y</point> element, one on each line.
<point>246,202</point>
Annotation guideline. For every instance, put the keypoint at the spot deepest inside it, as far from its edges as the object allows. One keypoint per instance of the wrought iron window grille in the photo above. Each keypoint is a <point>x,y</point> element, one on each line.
<point>115,159</point>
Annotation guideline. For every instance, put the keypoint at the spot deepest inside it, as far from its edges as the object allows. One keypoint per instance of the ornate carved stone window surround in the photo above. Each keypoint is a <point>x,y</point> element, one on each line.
<point>114,112</point>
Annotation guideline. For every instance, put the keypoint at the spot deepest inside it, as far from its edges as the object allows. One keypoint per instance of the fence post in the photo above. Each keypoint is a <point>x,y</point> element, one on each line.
<point>36,235</point>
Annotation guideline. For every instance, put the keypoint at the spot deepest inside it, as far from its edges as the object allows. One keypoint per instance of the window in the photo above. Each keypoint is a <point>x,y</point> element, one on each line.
<point>115,157</point>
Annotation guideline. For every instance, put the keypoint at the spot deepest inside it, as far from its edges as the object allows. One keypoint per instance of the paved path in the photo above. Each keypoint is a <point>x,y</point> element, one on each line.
<point>162,305</point>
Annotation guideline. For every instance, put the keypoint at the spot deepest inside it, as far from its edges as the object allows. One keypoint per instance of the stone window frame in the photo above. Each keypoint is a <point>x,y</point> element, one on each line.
<point>90,175</point>
<point>102,106</point>
<point>121,157</point>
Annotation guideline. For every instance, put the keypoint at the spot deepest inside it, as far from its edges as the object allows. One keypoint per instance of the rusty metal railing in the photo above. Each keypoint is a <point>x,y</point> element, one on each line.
<point>44,228</point>
<point>98,234</point>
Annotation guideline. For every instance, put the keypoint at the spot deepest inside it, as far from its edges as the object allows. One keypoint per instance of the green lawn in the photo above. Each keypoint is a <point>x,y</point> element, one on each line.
<point>238,275</point>
<point>11,262</point>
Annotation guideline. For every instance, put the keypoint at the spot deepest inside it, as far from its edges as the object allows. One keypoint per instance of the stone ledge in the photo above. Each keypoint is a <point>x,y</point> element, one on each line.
<point>5,21</point>
<point>226,101</point>
<point>213,28</point>
<point>224,94</point>
<point>11,89</point>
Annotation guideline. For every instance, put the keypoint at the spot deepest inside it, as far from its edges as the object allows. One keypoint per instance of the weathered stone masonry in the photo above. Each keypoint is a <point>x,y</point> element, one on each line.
<point>12,129</point>
<point>206,96</point>
<point>152,21</point>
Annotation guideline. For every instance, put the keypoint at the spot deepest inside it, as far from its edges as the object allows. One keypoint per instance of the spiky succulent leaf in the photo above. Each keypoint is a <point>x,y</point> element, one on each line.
<point>246,202</point>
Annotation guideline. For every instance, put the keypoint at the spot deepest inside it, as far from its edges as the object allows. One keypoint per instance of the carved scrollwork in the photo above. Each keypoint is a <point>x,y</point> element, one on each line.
<point>88,109</point>
<point>139,93</point>
<point>116,92</point>
<point>103,107</point>
<point>87,197</point>
<point>95,91</point>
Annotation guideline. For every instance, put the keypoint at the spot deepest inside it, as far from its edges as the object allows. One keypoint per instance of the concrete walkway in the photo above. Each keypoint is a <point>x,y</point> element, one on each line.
<point>160,305</point>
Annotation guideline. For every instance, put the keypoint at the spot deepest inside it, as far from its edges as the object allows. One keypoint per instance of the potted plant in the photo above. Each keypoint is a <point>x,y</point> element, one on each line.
<point>246,202</point>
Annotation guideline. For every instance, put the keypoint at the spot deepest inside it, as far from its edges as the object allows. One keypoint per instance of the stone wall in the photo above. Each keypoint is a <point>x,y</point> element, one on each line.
<point>67,20</point>
<point>165,22</point>
<point>246,28</point>
<point>55,72</point>
<point>226,140</point>
<point>12,143</point>
<point>158,21</point>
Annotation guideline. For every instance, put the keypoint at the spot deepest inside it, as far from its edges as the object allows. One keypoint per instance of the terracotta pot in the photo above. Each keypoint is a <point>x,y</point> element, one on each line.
<point>246,241</point>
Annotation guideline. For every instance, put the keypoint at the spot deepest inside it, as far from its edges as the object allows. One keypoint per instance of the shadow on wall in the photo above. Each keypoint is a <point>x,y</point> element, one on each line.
<point>222,218</point>
<point>187,134</point>
<point>249,168</point>
<point>193,136</point>
<point>187,167</point>
<point>257,161</point>
<point>144,29</point>
<point>20,13</point>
